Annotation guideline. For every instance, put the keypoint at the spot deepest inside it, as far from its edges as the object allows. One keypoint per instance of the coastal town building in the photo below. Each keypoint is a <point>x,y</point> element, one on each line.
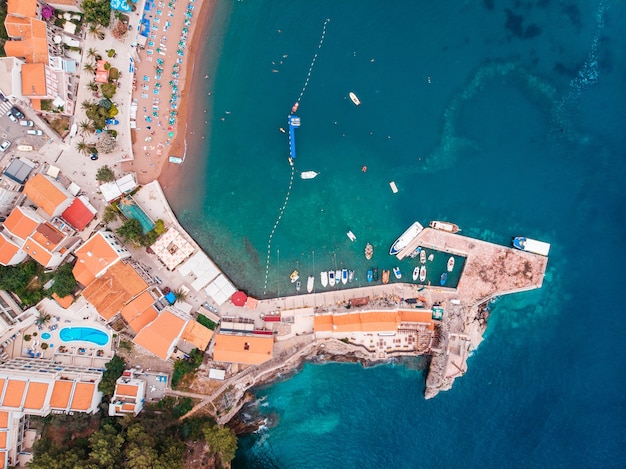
<point>80,213</point>
<point>50,197</point>
<point>161,335</point>
<point>40,387</point>
<point>16,229</point>
<point>99,252</point>
<point>129,395</point>
<point>13,320</point>
<point>11,78</point>
<point>243,349</point>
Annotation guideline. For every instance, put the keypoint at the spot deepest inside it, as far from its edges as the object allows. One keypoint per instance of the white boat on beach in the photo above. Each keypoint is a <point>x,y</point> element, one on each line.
<point>405,238</point>
<point>416,273</point>
<point>354,98</point>
<point>310,283</point>
<point>422,273</point>
<point>308,174</point>
<point>324,279</point>
<point>344,276</point>
<point>450,264</point>
<point>331,278</point>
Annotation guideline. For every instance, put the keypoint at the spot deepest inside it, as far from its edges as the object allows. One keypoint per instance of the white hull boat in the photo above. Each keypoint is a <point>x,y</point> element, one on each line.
<point>344,276</point>
<point>422,273</point>
<point>450,264</point>
<point>331,278</point>
<point>310,283</point>
<point>416,273</point>
<point>308,174</point>
<point>324,279</point>
<point>405,238</point>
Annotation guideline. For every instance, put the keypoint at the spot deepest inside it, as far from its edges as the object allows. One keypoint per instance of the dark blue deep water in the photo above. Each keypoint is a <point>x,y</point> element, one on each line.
<point>505,117</point>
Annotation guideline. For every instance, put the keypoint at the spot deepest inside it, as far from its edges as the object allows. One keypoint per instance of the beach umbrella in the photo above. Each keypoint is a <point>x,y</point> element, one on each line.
<point>170,134</point>
<point>239,298</point>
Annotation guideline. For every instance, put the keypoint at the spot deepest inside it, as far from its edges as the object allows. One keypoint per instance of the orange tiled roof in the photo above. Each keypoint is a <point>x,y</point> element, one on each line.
<point>17,27</point>
<point>323,323</point>
<point>248,350</point>
<point>44,193</point>
<point>93,257</point>
<point>27,8</point>
<point>369,321</point>
<point>37,252</point>
<point>22,222</point>
<point>197,334</point>
<point>416,316</point>
<point>64,302</point>
<point>139,312</point>
<point>111,291</point>
<point>126,390</point>
<point>8,249</point>
<point>36,395</point>
<point>14,393</point>
<point>34,44</point>
<point>61,393</point>
<point>34,80</point>
<point>3,444</point>
<point>379,321</point>
<point>4,420</point>
<point>83,395</point>
<point>158,336</point>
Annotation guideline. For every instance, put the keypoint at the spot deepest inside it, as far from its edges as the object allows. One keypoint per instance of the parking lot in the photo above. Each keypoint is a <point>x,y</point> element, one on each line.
<point>17,135</point>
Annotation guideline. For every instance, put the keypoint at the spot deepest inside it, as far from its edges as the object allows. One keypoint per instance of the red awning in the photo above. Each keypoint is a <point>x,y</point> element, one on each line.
<point>239,298</point>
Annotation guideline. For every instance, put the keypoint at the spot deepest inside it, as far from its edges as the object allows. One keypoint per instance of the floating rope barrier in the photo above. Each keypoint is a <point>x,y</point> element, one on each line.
<point>319,46</point>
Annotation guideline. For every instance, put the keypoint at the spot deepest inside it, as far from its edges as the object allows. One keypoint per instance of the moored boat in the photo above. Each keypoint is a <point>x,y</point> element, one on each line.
<point>397,272</point>
<point>324,279</point>
<point>351,236</point>
<point>445,226</point>
<point>405,238</point>
<point>344,276</point>
<point>416,273</point>
<point>375,274</point>
<point>331,278</point>
<point>443,279</point>
<point>422,273</point>
<point>337,276</point>
<point>431,257</point>
<point>350,276</point>
<point>385,276</point>
<point>369,251</point>
<point>294,276</point>
<point>354,98</point>
<point>298,285</point>
<point>370,275</point>
<point>310,284</point>
<point>423,256</point>
<point>531,245</point>
<point>308,174</point>
<point>450,264</point>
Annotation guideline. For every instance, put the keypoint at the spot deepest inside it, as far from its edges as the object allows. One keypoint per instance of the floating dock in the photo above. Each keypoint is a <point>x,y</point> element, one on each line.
<point>294,122</point>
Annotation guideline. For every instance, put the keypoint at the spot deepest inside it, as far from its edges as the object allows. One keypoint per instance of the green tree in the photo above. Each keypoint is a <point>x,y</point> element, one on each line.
<point>92,52</point>
<point>130,230</point>
<point>105,174</point>
<point>113,370</point>
<point>82,147</point>
<point>110,214</point>
<point>64,281</point>
<point>96,31</point>
<point>43,318</point>
<point>92,86</point>
<point>159,227</point>
<point>106,447</point>
<point>89,68</point>
<point>86,126</point>
<point>222,441</point>
<point>108,90</point>
<point>97,12</point>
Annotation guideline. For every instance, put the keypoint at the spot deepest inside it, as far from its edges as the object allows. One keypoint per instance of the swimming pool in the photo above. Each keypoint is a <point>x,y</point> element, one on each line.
<point>84,334</point>
<point>130,209</point>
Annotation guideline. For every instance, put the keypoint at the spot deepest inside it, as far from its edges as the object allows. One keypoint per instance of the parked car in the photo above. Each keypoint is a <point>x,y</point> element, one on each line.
<point>5,145</point>
<point>34,132</point>
<point>17,113</point>
<point>26,123</point>
<point>94,156</point>
<point>12,117</point>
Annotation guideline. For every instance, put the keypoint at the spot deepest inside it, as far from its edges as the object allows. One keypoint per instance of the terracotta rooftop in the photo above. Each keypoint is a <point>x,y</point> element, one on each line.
<point>37,252</point>
<point>126,390</point>
<point>197,334</point>
<point>248,350</point>
<point>83,395</point>
<point>61,393</point>
<point>110,292</point>
<point>158,336</point>
<point>64,302</point>
<point>26,8</point>
<point>34,80</point>
<point>8,249</point>
<point>44,193</point>
<point>21,222</point>
<point>4,420</point>
<point>139,312</point>
<point>36,395</point>
<point>92,258</point>
<point>14,393</point>
<point>370,321</point>
<point>34,44</point>
<point>78,215</point>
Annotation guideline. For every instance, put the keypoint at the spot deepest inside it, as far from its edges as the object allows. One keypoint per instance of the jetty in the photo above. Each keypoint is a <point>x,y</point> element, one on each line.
<point>294,122</point>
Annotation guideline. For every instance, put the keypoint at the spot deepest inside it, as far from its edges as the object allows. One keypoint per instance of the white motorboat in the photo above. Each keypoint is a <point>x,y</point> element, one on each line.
<point>324,279</point>
<point>397,272</point>
<point>344,276</point>
<point>310,283</point>
<point>351,236</point>
<point>308,174</point>
<point>422,273</point>
<point>416,273</point>
<point>354,98</point>
<point>451,264</point>
<point>423,256</point>
<point>445,226</point>
<point>405,238</point>
<point>294,276</point>
<point>350,276</point>
<point>331,278</point>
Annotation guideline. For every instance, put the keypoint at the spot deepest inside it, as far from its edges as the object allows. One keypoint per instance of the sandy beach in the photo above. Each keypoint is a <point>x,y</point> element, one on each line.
<point>163,83</point>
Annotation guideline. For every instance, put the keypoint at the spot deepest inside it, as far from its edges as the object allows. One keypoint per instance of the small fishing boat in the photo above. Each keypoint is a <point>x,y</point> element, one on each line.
<point>423,256</point>
<point>351,236</point>
<point>422,273</point>
<point>397,273</point>
<point>331,278</point>
<point>451,264</point>
<point>370,275</point>
<point>350,276</point>
<point>337,276</point>
<point>294,108</point>
<point>310,284</point>
<point>445,226</point>
<point>385,276</point>
<point>443,279</point>
<point>431,257</point>
<point>416,273</point>
<point>324,278</point>
<point>344,276</point>
<point>354,99</point>
<point>294,276</point>
<point>298,285</point>
<point>308,174</point>
<point>375,274</point>
<point>369,251</point>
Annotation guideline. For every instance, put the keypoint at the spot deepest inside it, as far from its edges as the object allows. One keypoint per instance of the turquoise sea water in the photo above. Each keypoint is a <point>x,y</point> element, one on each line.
<point>518,132</point>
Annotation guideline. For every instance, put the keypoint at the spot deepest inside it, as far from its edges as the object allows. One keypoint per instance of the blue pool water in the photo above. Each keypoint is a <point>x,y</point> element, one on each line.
<point>84,334</point>
<point>130,209</point>
<point>45,335</point>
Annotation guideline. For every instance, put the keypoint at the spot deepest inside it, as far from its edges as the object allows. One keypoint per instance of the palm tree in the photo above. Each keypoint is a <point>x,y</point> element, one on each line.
<point>82,147</point>
<point>180,294</point>
<point>85,105</point>
<point>92,52</point>
<point>93,86</point>
<point>86,126</point>
<point>43,318</point>
<point>96,31</point>
<point>89,68</point>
